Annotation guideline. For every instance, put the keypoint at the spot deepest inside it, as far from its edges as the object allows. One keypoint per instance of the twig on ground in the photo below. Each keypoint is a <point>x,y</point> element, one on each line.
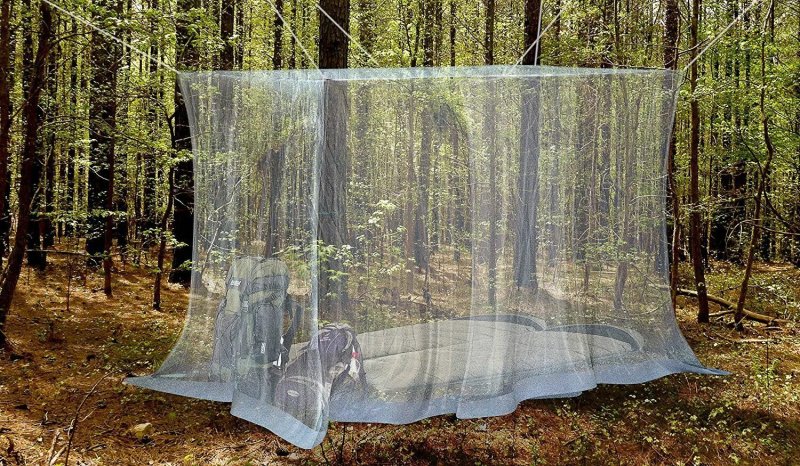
<point>73,425</point>
<point>50,452</point>
<point>747,340</point>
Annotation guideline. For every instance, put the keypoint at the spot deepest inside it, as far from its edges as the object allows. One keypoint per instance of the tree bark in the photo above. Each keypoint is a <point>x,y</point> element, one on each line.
<point>671,36</point>
<point>277,46</point>
<point>186,58</point>
<point>490,134</point>
<point>33,121</point>
<point>422,250</point>
<point>226,30</point>
<point>763,182</point>
<point>334,163</point>
<point>795,256</point>
<point>527,233</point>
<point>36,257</point>
<point>695,237</point>
<point>105,59</point>
<point>148,221</point>
<point>276,155</point>
<point>162,244</point>
<point>6,84</point>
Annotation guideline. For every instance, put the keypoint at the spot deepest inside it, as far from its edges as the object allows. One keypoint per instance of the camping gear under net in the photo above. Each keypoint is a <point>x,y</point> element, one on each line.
<point>386,245</point>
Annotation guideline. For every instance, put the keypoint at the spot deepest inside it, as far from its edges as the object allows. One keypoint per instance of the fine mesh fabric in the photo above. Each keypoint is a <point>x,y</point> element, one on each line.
<point>385,245</point>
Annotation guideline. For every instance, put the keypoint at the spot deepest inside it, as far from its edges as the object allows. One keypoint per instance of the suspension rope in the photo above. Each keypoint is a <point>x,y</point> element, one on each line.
<point>535,42</point>
<point>539,33</point>
<point>296,39</point>
<point>351,38</point>
<point>111,36</point>
<point>722,33</point>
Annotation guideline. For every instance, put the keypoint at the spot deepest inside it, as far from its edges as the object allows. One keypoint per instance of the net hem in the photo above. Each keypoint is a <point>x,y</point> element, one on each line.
<point>558,385</point>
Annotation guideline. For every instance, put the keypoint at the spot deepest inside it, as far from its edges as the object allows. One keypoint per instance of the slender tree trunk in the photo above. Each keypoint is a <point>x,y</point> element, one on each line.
<point>102,127</point>
<point>553,202</point>
<point>162,245</point>
<point>70,192</point>
<point>149,205</point>
<point>292,41</point>
<point>276,156</point>
<point>240,31</point>
<point>628,194</point>
<point>186,58</point>
<point>226,29</point>
<point>671,36</point>
<point>6,83</point>
<point>277,46</point>
<point>121,225</point>
<point>33,121</point>
<point>421,235</point>
<point>796,253</point>
<point>411,180</point>
<point>45,227</point>
<point>490,130</point>
<point>695,222</point>
<point>36,258</point>
<point>334,163</point>
<point>763,181</point>
<point>453,32</point>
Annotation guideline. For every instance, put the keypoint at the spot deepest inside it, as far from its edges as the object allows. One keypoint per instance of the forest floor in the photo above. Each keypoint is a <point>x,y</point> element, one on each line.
<point>69,362</point>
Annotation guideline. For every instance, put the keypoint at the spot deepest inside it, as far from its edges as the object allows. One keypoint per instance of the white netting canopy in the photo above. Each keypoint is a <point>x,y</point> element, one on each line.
<point>386,245</point>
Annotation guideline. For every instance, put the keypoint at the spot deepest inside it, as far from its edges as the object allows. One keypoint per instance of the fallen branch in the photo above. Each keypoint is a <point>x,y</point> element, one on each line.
<point>730,308</point>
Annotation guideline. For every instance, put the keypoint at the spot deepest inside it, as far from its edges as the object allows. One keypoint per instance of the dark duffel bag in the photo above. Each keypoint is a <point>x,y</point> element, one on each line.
<point>301,391</point>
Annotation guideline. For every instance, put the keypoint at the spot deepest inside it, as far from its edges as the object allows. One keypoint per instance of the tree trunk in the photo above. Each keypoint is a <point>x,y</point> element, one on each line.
<point>33,120</point>
<point>36,257</point>
<point>277,46</point>
<point>334,163</point>
<point>276,156</point>
<point>102,127</point>
<point>795,257</point>
<point>6,84</point>
<point>45,226</point>
<point>162,244</point>
<point>292,40</point>
<point>763,182</point>
<point>70,192</point>
<point>453,32</point>
<point>527,234</point>
<point>695,238</point>
<point>226,30</point>
<point>411,180</point>
<point>186,58</point>
<point>422,249</point>
<point>671,35</point>
<point>148,221</point>
<point>490,133</point>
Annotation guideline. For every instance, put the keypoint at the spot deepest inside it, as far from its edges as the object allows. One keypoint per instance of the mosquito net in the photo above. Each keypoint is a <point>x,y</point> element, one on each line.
<point>390,244</point>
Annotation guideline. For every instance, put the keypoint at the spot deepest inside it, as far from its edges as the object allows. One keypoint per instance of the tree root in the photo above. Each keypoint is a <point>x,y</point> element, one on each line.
<point>730,308</point>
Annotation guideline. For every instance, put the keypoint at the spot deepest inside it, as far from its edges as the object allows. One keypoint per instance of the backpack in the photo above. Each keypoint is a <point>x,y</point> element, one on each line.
<point>302,394</point>
<point>248,338</point>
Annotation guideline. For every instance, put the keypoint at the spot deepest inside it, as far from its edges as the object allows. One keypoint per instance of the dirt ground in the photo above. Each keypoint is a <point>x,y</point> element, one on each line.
<point>61,394</point>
